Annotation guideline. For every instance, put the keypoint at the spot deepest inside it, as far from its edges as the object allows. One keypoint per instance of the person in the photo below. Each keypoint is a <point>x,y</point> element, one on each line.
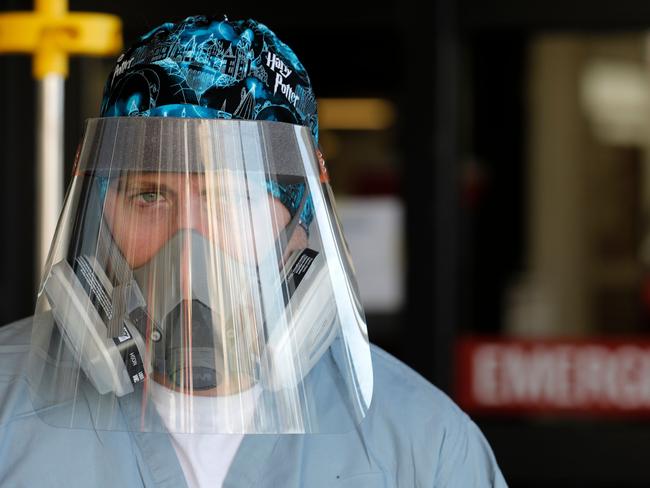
<point>198,323</point>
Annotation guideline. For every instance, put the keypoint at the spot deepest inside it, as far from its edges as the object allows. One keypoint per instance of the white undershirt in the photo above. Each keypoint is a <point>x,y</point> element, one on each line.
<point>205,458</point>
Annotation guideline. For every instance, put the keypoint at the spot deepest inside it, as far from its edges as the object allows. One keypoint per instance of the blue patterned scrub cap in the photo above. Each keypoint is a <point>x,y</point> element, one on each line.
<point>207,67</point>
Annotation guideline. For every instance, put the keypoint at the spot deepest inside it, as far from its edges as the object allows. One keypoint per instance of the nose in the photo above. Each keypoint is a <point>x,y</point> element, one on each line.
<point>191,215</point>
<point>186,266</point>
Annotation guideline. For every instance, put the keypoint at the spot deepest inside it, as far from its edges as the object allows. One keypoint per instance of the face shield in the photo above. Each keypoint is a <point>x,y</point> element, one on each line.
<point>198,282</point>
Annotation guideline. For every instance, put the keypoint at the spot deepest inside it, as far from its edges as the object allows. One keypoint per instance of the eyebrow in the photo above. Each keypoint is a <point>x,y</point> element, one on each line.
<point>201,185</point>
<point>129,183</point>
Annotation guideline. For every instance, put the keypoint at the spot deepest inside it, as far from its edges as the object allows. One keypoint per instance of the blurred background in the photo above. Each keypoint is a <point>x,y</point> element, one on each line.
<point>491,163</point>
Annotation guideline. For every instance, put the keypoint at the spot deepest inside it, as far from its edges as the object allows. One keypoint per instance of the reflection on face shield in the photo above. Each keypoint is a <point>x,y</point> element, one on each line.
<point>188,288</point>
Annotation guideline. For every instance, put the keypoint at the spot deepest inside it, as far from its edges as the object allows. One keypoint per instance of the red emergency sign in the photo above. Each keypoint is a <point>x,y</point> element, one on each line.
<point>500,375</point>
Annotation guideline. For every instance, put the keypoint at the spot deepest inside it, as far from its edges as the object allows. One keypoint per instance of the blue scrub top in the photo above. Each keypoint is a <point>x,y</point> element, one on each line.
<point>413,435</point>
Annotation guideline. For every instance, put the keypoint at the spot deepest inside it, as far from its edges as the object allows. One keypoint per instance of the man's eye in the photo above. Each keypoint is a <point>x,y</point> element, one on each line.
<point>149,197</point>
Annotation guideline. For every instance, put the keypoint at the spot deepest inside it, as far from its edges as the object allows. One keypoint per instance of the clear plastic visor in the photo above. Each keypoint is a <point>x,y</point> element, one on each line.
<point>198,282</point>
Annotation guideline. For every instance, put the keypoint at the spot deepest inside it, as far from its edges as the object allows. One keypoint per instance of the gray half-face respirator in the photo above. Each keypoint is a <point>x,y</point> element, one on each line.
<point>191,327</point>
<point>189,338</point>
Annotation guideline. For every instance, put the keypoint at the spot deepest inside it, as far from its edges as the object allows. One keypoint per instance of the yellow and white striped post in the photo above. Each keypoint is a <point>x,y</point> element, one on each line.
<point>51,34</point>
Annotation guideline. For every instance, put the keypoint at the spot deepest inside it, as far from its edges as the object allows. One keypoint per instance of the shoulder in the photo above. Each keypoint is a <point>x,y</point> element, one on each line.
<point>32,449</point>
<point>411,417</point>
<point>14,354</point>
<point>394,379</point>
<point>14,347</point>
<point>17,332</point>
<point>401,392</point>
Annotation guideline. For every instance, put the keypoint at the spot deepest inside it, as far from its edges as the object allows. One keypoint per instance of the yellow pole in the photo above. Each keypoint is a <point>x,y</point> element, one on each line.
<point>51,34</point>
<point>51,7</point>
<point>50,59</point>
